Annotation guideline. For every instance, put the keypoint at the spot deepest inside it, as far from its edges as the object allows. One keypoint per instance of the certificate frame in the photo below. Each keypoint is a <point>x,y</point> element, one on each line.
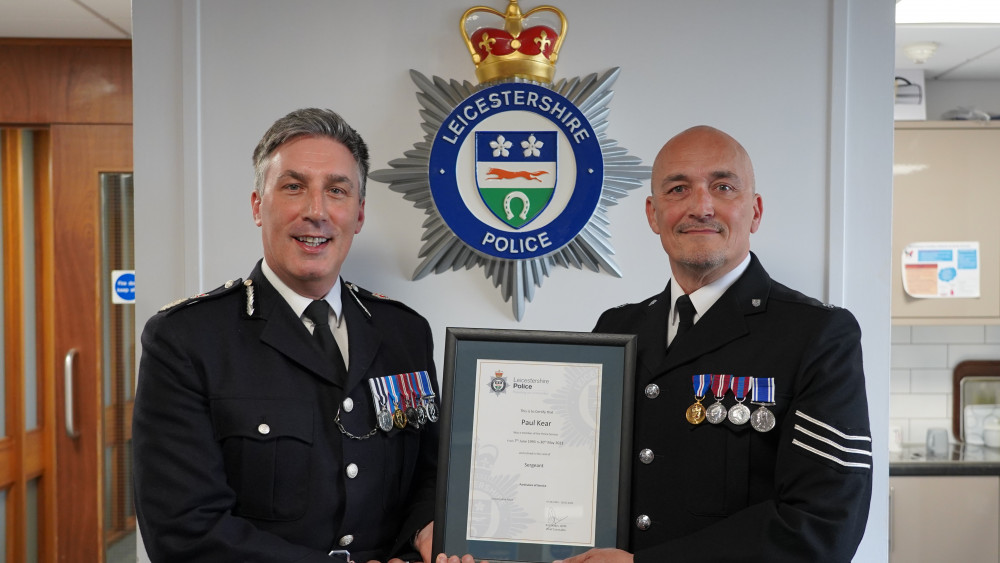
<point>465,348</point>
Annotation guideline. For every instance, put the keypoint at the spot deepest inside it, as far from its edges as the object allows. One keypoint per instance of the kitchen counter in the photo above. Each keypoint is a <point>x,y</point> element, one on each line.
<point>960,459</point>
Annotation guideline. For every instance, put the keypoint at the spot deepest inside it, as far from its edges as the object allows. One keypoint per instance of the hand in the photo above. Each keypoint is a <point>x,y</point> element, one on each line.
<point>423,540</point>
<point>442,558</point>
<point>606,555</point>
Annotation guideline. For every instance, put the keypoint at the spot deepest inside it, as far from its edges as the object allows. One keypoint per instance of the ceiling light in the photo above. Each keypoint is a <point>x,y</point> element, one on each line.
<point>951,11</point>
<point>920,52</point>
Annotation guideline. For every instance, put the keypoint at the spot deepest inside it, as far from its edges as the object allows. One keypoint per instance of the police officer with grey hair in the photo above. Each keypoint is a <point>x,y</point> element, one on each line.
<point>290,416</point>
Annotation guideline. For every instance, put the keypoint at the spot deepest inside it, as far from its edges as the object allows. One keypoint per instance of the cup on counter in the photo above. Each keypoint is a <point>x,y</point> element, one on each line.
<point>991,433</point>
<point>895,438</point>
<point>937,441</point>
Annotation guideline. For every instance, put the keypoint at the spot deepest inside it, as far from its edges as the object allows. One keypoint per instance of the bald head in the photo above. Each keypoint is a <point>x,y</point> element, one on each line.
<point>700,141</point>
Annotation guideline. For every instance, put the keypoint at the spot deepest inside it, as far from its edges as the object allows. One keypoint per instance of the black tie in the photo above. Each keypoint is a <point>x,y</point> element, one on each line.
<point>685,309</point>
<point>319,313</point>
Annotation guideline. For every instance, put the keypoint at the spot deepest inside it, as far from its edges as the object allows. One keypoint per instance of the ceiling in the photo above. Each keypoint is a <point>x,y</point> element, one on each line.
<point>964,52</point>
<point>90,19</point>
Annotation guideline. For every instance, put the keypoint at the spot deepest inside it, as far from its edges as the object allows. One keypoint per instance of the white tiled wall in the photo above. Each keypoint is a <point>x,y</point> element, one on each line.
<point>923,358</point>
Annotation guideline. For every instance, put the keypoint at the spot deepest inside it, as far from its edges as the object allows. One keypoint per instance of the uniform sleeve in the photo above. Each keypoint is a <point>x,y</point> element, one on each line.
<point>421,503</point>
<point>823,469</point>
<point>182,500</point>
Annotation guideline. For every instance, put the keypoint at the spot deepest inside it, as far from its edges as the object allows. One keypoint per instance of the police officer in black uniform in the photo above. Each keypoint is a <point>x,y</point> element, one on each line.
<point>751,433</point>
<point>289,416</point>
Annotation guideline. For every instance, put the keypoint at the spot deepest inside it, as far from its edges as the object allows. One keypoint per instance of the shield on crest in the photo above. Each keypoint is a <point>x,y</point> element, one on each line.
<point>516,173</point>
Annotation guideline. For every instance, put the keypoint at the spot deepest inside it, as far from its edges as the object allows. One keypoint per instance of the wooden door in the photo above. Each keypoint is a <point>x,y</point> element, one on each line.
<point>75,98</point>
<point>27,454</point>
<point>84,153</point>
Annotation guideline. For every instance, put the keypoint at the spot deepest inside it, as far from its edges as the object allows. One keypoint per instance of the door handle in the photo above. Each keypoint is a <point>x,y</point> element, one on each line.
<point>891,513</point>
<point>68,393</point>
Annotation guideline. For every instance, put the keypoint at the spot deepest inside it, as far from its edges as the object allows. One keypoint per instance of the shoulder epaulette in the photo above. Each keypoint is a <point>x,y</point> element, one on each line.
<point>228,287</point>
<point>360,293</point>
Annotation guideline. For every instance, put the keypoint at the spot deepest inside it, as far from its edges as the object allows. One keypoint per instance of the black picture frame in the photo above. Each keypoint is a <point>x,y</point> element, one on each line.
<point>464,347</point>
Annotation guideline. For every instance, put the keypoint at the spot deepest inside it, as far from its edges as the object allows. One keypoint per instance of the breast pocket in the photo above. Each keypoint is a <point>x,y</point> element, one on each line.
<point>719,486</point>
<point>400,459</point>
<point>266,445</point>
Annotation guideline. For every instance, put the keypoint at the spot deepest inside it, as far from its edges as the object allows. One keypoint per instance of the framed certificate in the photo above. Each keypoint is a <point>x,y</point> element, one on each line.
<point>536,439</point>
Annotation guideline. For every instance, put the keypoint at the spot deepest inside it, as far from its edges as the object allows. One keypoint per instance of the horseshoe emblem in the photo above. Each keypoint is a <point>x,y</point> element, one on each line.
<point>524,199</point>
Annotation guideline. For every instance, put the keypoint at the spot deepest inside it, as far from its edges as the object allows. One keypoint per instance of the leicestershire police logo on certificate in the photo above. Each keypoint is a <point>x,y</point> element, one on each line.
<point>515,173</point>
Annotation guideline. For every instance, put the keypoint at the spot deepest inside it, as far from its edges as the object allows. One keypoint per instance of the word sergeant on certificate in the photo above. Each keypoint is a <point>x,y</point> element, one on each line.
<point>535,445</point>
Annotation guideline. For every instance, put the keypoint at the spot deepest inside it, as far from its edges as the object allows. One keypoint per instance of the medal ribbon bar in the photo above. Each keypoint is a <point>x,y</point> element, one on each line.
<point>740,387</point>
<point>720,385</point>
<point>701,383</point>
<point>763,391</point>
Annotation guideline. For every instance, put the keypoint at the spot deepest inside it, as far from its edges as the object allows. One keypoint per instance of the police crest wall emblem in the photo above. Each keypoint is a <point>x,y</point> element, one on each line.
<point>516,173</point>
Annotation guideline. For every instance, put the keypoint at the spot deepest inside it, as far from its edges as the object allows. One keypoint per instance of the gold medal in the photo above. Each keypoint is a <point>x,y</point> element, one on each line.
<point>695,413</point>
<point>399,418</point>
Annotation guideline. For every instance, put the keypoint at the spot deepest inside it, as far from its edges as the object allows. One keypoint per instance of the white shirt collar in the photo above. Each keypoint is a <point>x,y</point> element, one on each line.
<point>297,302</point>
<point>705,296</point>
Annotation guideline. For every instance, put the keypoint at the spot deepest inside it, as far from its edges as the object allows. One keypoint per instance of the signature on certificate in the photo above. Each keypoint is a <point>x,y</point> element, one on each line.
<point>553,516</point>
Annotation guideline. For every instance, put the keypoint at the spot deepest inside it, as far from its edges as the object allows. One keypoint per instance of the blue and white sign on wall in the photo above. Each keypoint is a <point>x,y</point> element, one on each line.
<point>123,286</point>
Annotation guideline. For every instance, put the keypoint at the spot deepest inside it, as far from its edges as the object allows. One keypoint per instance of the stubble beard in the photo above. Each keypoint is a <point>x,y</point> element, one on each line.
<point>702,262</point>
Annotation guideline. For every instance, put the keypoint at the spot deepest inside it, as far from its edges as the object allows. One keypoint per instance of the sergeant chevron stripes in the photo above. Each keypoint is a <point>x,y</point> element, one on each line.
<point>829,443</point>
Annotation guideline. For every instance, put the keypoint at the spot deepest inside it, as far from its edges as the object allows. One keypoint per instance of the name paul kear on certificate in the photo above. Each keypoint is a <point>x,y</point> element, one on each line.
<point>535,449</point>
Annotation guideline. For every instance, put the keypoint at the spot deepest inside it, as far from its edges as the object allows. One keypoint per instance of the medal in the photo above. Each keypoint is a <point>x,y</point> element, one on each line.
<point>408,409</point>
<point>716,412</point>
<point>382,417</point>
<point>428,392</point>
<point>398,417</point>
<point>695,414</point>
<point>762,419</point>
<point>740,414</point>
<point>415,414</point>
<point>418,398</point>
<point>424,392</point>
<point>432,411</point>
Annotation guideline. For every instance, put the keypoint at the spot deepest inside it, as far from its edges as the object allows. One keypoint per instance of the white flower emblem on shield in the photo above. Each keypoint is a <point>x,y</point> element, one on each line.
<point>500,146</point>
<point>531,146</point>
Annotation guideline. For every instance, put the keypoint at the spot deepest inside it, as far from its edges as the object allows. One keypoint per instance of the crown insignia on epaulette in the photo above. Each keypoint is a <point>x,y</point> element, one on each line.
<point>514,51</point>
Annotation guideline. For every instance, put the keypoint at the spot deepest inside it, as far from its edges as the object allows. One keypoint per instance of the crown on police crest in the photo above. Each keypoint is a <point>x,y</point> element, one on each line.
<point>513,51</point>
<point>498,373</point>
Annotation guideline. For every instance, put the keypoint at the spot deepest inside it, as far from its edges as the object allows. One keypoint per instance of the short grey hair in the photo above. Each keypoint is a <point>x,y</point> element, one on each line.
<point>312,122</point>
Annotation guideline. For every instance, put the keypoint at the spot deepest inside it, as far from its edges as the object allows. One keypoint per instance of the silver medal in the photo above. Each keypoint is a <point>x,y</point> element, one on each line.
<point>384,420</point>
<point>739,414</point>
<point>432,411</point>
<point>762,419</point>
<point>716,413</point>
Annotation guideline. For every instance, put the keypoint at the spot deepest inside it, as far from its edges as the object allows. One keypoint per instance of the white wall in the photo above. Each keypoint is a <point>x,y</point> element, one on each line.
<point>805,86</point>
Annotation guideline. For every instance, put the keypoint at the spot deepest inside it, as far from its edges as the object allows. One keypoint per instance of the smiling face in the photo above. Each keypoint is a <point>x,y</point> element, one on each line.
<point>703,205</point>
<point>309,211</point>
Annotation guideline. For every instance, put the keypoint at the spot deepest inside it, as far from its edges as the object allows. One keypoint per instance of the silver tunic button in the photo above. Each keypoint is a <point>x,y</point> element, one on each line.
<point>346,540</point>
<point>264,429</point>
<point>652,391</point>
<point>646,456</point>
<point>348,404</point>
<point>352,471</point>
<point>642,522</point>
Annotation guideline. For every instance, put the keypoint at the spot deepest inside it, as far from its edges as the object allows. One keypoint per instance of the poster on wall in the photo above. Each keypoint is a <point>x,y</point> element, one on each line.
<point>941,269</point>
